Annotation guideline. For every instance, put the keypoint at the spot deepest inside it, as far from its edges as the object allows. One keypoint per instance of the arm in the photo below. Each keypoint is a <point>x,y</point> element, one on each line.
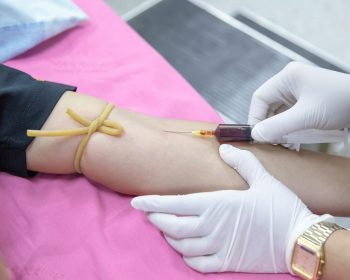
<point>145,160</point>
<point>337,250</point>
<point>265,229</point>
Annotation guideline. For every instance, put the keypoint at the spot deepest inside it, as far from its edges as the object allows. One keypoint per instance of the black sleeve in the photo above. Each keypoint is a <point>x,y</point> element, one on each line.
<point>25,103</point>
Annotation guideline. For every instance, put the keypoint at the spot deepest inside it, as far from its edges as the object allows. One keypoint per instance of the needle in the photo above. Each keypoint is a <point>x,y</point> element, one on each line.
<point>177,131</point>
<point>198,133</point>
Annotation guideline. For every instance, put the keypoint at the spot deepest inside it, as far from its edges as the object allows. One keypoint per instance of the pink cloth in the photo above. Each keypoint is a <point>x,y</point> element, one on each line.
<point>66,227</point>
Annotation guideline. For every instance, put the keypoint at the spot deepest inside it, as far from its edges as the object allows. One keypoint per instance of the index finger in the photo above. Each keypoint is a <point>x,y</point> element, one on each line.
<point>172,204</point>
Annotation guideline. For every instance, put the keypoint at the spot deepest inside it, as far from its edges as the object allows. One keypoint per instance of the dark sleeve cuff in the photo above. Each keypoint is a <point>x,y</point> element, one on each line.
<point>25,103</point>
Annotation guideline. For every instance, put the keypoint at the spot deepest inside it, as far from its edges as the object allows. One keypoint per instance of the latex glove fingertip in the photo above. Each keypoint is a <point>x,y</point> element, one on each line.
<point>226,148</point>
<point>136,203</point>
<point>142,202</point>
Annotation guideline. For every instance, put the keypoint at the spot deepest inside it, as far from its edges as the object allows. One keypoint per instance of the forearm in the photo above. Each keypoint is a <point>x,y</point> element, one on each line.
<point>320,180</point>
<point>337,256</point>
<point>146,160</point>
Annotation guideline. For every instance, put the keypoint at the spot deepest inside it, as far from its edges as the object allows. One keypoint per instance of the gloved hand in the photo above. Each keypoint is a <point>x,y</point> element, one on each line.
<point>243,231</point>
<point>310,97</point>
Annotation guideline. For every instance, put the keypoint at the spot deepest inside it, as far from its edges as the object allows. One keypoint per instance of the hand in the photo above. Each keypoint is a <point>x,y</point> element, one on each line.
<point>243,231</point>
<point>309,97</point>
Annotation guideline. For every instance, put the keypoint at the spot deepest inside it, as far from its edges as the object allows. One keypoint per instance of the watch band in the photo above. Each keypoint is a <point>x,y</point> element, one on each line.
<point>319,233</point>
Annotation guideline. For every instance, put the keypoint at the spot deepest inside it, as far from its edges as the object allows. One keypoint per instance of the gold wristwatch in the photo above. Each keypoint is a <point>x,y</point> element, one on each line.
<point>308,255</point>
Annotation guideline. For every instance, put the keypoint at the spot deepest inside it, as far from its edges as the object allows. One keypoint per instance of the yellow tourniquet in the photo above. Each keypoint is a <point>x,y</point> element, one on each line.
<point>99,124</point>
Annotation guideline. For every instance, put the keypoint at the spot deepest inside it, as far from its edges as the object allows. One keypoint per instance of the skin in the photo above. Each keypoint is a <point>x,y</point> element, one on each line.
<point>168,163</point>
<point>337,250</point>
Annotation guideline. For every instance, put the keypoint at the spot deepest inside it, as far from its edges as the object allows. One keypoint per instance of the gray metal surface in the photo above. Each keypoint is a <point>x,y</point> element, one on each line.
<point>224,64</point>
<point>294,46</point>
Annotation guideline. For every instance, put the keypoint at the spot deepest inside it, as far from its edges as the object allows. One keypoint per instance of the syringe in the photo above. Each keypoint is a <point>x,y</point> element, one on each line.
<point>224,132</point>
<point>242,133</point>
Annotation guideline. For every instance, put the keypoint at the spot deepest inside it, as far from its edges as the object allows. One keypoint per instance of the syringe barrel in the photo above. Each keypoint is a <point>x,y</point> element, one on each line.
<point>233,133</point>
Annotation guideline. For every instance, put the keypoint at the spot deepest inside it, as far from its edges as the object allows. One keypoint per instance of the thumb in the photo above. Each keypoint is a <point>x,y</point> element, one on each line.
<point>272,129</point>
<point>246,164</point>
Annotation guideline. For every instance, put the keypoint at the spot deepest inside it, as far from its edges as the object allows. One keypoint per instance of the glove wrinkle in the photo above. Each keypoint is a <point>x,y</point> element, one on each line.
<point>233,240</point>
<point>271,236</point>
<point>246,239</point>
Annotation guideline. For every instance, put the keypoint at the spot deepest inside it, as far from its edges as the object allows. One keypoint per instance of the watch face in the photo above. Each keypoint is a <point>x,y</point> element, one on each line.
<point>305,261</point>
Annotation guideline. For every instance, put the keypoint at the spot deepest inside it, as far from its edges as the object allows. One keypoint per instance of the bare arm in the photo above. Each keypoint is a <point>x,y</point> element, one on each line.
<point>337,250</point>
<point>145,160</point>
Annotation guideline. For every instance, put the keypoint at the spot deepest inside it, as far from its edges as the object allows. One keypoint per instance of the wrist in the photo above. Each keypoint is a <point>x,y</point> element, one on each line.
<point>298,230</point>
<point>337,255</point>
<point>308,258</point>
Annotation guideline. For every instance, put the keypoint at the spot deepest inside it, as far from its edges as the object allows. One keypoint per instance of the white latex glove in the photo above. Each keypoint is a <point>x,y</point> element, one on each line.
<point>243,231</point>
<point>310,97</point>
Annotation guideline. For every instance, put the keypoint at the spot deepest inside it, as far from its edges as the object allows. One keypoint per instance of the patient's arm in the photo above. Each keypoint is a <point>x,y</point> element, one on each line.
<point>146,160</point>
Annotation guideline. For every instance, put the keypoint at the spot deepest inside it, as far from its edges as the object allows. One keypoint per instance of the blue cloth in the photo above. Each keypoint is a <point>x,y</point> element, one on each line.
<point>24,24</point>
